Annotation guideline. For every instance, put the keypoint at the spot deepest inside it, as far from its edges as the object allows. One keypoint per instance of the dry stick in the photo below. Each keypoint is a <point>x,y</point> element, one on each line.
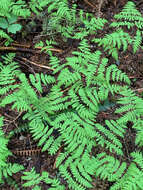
<point>19,49</point>
<point>90,4</point>
<point>52,49</point>
<point>21,45</point>
<point>28,50</point>
<point>99,6</point>
<point>28,46</point>
<point>33,63</point>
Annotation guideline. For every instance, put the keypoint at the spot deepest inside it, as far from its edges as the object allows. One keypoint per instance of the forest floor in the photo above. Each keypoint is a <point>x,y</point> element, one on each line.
<point>33,61</point>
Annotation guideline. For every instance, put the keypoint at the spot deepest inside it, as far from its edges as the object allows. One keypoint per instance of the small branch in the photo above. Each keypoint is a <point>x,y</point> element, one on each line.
<point>99,6</point>
<point>28,50</point>
<point>21,45</point>
<point>52,49</point>
<point>33,63</point>
<point>90,4</point>
<point>19,49</point>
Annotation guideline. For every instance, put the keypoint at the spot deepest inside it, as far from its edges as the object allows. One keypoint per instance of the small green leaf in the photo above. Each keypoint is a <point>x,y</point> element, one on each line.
<point>12,19</point>
<point>14,28</point>
<point>3,23</point>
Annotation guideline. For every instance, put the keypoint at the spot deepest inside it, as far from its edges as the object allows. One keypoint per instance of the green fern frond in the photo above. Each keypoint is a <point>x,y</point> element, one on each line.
<point>137,41</point>
<point>19,8</point>
<point>138,126</point>
<point>116,74</point>
<point>108,138</point>
<point>11,169</point>
<point>68,178</point>
<point>131,106</point>
<point>80,178</point>
<point>55,64</point>
<point>33,179</point>
<point>4,7</point>
<point>6,169</point>
<point>8,72</point>
<point>4,152</point>
<point>37,6</point>
<point>38,79</point>
<point>67,78</point>
<point>132,179</point>
<point>114,41</point>
<point>129,17</point>
<point>108,167</point>
<point>5,35</point>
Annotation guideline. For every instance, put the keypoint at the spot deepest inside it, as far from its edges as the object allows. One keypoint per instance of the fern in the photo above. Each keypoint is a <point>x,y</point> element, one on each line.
<point>6,169</point>
<point>114,41</point>
<point>137,41</point>
<point>62,110</point>
<point>72,117</point>
<point>7,74</point>
<point>131,106</point>
<point>108,167</point>
<point>132,178</point>
<point>37,6</point>
<point>108,136</point>
<point>34,179</point>
<point>129,17</point>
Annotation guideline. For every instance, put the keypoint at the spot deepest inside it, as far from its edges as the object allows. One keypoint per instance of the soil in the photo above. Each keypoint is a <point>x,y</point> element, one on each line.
<point>31,60</point>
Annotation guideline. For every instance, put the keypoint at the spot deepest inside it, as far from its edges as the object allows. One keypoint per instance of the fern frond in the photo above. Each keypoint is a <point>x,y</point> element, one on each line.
<point>129,17</point>
<point>132,179</point>
<point>131,106</point>
<point>108,167</point>
<point>8,72</point>
<point>116,74</point>
<point>19,8</point>
<point>38,79</point>
<point>138,126</point>
<point>115,40</point>
<point>34,179</point>
<point>67,78</point>
<point>137,41</point>
<point>4,152</point>
<point>6,169</point>
<point>37,6</point>
<point>80,169</point>
<point>108,138</point>
<point>4,8</point>
<point>5,35</point>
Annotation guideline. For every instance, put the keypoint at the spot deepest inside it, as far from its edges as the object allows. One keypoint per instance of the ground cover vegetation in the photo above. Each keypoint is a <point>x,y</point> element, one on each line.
<point>79,107</point>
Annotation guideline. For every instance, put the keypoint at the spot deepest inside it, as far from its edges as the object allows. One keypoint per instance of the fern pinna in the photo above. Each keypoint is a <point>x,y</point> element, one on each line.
<point>65,121</point>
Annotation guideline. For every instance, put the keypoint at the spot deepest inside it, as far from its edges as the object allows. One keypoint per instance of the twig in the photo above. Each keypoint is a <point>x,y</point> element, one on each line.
<point>99,7</point>
<point>33,63</point>
<point>52,49</point>
<point>90,4</point>
<point>21,45</point>
<point>19,49</point>
<point>28,50</point>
